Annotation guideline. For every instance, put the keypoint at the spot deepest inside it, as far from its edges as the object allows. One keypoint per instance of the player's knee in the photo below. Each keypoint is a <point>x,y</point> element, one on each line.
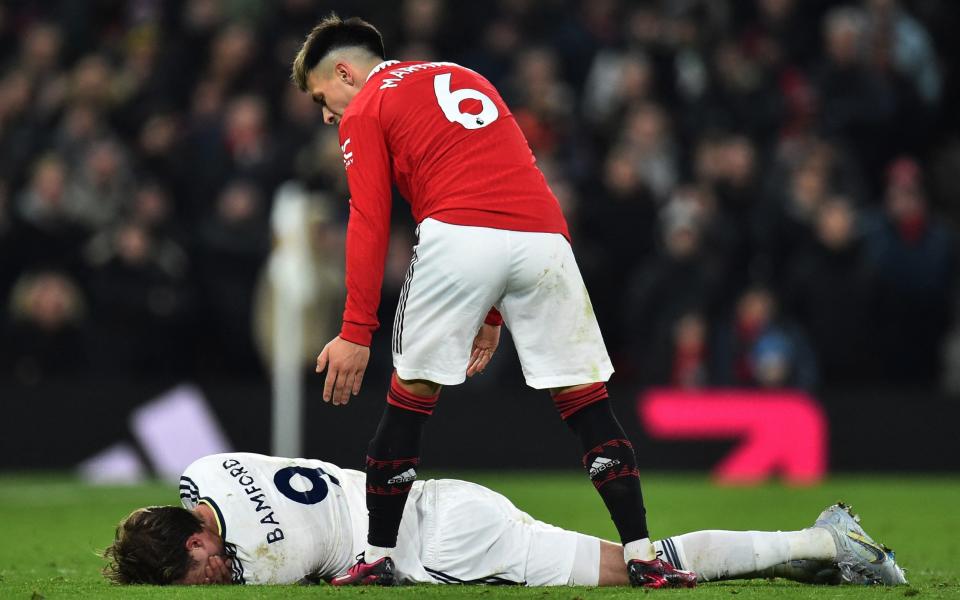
<point>571,400</point>
<point>419,396</point>
<point>420,387</point>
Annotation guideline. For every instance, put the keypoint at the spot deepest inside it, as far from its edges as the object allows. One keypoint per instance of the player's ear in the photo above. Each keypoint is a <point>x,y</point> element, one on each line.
<point>193,542</point>
<point>343,73</point>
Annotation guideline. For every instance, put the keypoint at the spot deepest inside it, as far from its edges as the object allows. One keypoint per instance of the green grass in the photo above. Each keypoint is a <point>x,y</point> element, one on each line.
<point>51,528</point>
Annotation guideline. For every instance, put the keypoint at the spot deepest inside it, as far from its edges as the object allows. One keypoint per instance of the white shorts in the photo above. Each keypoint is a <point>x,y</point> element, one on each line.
<point>458,272</point>
<point>459,532</point>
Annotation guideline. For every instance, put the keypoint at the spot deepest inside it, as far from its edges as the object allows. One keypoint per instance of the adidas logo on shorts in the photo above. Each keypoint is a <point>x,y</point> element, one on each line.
<point>405,477</point>
<point>601,464</point>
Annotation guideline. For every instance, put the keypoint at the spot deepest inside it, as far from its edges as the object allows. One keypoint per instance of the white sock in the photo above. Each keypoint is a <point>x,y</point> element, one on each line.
<point>374,553</point>
<point>717,555</point>
<point>813,543</point>
<point>639,550</point>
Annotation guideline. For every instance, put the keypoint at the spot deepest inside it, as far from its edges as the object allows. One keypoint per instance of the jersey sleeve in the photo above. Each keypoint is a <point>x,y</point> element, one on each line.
<point>368,229</point>
<point>189,492</point>
<point>494,317</point>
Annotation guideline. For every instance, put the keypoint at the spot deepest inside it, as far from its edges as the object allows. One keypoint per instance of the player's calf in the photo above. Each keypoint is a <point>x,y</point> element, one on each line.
<point>610,463</point>
<point>392,460</point>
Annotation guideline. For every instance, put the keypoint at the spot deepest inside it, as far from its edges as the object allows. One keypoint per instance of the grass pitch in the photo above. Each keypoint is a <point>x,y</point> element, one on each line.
<point>52,527</point>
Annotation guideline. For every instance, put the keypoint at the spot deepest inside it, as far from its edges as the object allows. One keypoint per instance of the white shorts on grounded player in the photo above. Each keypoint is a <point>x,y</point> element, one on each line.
<point>466,533</point>
<point>458,272</point>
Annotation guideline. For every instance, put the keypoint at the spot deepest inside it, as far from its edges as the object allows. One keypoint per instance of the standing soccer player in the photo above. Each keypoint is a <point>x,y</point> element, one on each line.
<point>493,248</point>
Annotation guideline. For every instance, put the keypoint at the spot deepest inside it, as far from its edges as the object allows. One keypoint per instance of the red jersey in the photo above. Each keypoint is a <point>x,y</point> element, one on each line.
<point>444,136</point>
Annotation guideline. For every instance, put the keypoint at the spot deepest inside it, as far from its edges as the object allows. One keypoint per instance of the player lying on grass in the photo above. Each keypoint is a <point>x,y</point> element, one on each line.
<point>255,519</point>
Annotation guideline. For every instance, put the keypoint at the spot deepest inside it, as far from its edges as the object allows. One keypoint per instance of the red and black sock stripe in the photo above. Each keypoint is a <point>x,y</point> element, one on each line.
<point>388,484</point>
<point>611,460</point>
<point>401,398</point>
<point>569,403</point>
<point>391,477</point>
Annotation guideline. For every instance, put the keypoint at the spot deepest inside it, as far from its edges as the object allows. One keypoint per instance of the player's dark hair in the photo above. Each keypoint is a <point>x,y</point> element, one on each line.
<point>150,546</point>
<point>331,34</point>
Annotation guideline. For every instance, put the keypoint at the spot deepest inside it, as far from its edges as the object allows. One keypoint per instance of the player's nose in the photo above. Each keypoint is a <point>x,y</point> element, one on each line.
<point>328,117</point>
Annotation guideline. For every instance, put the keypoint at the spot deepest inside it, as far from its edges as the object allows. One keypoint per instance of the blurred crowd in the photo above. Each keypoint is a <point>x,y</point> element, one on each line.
<point>759,191</point>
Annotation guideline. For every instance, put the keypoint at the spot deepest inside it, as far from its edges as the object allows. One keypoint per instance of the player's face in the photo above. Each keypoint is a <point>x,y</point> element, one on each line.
<point>201,546</point>
<point>333,93</point>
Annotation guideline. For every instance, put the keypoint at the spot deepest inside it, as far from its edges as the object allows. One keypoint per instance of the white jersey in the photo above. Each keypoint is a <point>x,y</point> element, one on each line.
<point>282,519</point>
<point>288,520</point>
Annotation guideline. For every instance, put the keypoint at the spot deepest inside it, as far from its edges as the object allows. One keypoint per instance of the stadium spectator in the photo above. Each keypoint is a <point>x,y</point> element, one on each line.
<point>736,187</point>
<point>690,360</point>
<point>239,147</point>
<point>683,361</point>
<point>618,218</point>
<point>41,57</point>
<point>740,96</point>
<point>617,81</point>
<point>47,233</point>
<point>102,187</point>
<point>422,21</point>
<point>231,59</point>
<point>647,137</point>
<point>160,153</point>
<point>141,305</point>
<point>18,127</point>
<point>494,52</point>
<point>91,84</point>
<point>681,279</point>
<point>759,348</point>
<point>782,32</point>
<point>582,31</point>
<point>914,255</point>
<point>722,239</point>
<point>45,329</point>
<point>153,208</point>
<point>831,290</point>
<point>40,49</point>
<point>542,102</point>
<point>233,243</point>
<point>857,102</point>
<point>785,222</point>
<point>79,127</point>
<point>901,42</point>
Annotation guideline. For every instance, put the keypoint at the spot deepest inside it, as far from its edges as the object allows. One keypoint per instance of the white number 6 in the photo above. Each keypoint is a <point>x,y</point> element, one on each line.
<point>450,104</point>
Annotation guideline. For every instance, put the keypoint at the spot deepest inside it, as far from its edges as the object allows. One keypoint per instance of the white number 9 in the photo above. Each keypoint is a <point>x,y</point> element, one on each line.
<point>450,104</point>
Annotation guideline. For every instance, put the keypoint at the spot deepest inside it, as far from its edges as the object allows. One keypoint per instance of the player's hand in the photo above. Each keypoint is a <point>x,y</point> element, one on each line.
<point>217,570</point>
<point>345,363</point>
<point>484,345</point>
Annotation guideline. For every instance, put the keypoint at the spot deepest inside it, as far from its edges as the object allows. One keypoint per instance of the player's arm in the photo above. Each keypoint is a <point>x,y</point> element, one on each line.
<point>368,233</point>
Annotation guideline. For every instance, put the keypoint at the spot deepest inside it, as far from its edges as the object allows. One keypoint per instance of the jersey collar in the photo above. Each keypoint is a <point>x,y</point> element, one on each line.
<point>381,66</point>
<point>221,524</point>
